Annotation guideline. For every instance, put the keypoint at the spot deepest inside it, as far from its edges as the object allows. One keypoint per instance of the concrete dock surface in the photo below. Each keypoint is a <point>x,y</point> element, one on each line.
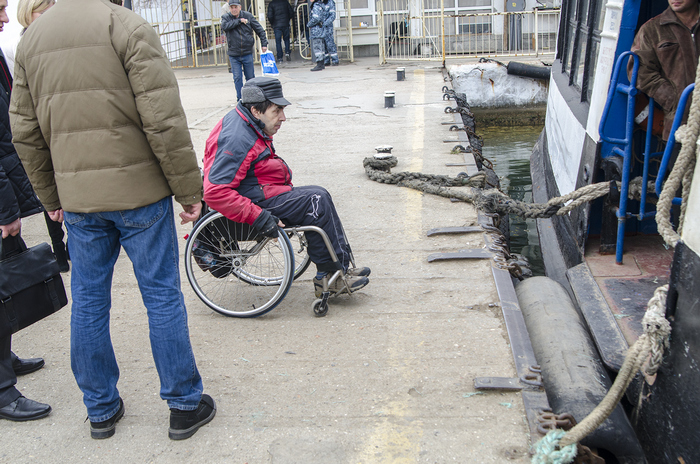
<point>386,377</point>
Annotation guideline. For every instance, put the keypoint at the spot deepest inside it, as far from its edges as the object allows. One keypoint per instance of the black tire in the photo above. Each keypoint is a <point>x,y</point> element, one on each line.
<point>319,308</point>
<point>234,270</point>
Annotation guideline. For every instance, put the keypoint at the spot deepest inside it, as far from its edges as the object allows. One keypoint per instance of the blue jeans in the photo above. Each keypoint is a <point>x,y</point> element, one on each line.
<point>149,239</point>
<point>282,33</point>
<point>244,62</point>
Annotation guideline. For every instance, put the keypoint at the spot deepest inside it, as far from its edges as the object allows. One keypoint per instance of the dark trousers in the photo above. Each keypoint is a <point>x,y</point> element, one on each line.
<point>8,379</point>
<point>282,33</point>
<point>313,206</point>
<point>55,231</point>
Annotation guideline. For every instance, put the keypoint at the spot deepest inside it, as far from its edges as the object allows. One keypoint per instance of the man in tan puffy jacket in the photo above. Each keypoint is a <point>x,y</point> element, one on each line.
<point>98,123</point>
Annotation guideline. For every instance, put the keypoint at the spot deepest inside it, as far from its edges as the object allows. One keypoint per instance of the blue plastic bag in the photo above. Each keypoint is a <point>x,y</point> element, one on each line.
<point>269,66</point>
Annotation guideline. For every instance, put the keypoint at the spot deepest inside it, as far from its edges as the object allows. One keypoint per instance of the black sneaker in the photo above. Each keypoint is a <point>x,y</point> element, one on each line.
<point>184,424</point>
<point>105,429</point>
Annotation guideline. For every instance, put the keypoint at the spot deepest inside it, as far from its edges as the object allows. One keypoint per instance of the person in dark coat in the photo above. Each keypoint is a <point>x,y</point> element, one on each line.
<point>280,13</point>
<point>239,27</point>
<point>17,200</point>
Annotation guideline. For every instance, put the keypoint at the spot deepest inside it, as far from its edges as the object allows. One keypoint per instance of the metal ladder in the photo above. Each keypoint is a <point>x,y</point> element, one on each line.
<point>623,146</point>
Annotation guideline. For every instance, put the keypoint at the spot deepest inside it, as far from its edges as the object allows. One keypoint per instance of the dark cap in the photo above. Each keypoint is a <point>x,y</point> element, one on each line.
<point>234,2</point>
<point>259,89</point>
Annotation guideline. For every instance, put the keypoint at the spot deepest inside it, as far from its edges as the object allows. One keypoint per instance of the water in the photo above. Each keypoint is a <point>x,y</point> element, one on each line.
<point>509,149</point>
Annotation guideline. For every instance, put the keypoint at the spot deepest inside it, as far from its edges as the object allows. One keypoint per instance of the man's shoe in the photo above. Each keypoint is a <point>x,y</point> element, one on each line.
<point>358,272</point>
<point>184,424</point>
<point>287,57</point>
<point>354,282</point>
<point>105,429</point>
<point>24,409</point>
<point>319,66</point>
<point>27,366</point>
<point>335,63</point>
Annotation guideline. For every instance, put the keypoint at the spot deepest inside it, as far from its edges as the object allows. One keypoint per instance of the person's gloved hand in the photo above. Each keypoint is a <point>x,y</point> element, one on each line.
<point>266,224</point>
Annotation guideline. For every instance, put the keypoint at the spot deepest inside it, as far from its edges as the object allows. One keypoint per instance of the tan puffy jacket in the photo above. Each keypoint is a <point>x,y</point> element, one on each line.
<point>96,112</point>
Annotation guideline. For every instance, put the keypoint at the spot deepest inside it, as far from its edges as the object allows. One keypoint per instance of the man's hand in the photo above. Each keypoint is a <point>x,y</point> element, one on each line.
<point>12,228</point>
<point>191,212</point>
<point>244,21</point>
<point>264,49</point>
<point>56,216</point>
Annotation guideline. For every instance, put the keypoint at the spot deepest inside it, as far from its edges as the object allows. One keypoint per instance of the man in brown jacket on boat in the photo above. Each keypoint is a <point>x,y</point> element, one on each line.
<point>668,46</point>
<point>98,123</point>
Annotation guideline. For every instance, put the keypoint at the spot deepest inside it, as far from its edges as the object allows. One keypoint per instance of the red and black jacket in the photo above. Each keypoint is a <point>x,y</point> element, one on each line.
<point>241,167</point>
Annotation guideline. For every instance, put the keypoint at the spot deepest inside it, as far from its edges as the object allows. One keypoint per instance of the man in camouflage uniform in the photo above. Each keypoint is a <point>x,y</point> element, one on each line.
<point>316,32</point>
<point>331,56</point>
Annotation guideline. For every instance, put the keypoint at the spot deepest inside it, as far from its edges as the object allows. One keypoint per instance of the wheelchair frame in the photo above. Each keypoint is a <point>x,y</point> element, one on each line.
<point>239,273</point>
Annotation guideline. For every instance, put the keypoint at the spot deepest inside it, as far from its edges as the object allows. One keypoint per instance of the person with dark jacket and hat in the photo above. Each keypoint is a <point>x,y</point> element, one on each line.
<point>239,27</point>
<point>247,182</point>
<point>280,13</point>
<point>17,200</point>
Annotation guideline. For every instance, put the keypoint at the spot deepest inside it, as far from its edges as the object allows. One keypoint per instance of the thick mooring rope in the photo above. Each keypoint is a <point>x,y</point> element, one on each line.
<point>682,172</point>
<point>489,200</point>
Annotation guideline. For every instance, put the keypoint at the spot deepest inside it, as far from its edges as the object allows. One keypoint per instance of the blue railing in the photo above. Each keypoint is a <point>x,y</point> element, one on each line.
<point>668,152</point>
<point>623,146</point>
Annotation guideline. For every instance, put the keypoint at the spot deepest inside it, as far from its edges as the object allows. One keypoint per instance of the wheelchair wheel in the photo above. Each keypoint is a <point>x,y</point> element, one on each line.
<point>235,271</point>
<point>301,257</point>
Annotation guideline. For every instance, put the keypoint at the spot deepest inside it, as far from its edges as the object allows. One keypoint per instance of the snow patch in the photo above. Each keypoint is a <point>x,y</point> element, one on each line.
<point>488,85</point>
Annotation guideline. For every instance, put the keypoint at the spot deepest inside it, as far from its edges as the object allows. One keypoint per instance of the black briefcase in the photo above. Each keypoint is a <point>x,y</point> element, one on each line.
<point>31,287</point>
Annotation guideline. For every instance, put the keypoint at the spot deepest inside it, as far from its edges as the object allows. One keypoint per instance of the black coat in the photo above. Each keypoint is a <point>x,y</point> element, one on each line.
<point>17,198</point>
<point>239,36</point>
<point>279,13</point>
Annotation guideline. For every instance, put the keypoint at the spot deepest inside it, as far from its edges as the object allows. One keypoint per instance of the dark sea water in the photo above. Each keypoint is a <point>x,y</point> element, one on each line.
<point>509,149</point>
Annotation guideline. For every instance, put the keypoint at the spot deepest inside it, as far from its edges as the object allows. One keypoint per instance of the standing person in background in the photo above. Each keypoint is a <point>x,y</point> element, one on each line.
<point>106,147</point>
<point>239,26</point>
<point>27,12</point>
<point>280,13</point>
<point>331,56</point>
<point>17,200</point>
<point>316,32</point>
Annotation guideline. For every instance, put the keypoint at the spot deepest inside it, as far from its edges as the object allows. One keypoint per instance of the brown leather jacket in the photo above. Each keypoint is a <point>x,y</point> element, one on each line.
<point>668,58</point>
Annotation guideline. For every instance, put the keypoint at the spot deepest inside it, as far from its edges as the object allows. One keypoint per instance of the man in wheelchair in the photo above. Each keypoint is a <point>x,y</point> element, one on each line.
<point>247,182</point>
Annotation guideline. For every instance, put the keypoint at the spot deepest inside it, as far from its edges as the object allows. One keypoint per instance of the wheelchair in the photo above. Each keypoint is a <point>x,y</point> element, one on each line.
<point>239,273</point>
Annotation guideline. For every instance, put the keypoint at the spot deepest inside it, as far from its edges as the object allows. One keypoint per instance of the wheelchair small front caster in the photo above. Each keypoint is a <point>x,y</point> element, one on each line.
<point>320,307</point>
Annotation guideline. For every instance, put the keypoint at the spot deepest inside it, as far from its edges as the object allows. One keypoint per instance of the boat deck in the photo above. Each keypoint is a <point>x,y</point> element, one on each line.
<point>628,287</point>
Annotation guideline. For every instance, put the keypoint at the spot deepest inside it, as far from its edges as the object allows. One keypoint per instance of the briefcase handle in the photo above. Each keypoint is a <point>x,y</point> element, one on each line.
<point>14,246</point>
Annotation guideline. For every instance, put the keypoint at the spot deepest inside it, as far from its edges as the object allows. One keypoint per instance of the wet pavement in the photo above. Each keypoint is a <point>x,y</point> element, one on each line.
<point>385,377</point>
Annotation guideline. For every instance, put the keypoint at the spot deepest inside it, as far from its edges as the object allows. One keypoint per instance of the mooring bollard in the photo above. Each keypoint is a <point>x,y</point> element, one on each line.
<point>400,74</point>
<point>389,99</point>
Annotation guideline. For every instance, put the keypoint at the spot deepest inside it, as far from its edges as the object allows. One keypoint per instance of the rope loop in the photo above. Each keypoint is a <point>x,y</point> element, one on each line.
<point>548,451</point>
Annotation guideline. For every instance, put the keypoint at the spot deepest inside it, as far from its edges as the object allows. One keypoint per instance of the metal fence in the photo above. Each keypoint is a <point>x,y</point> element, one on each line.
<point>430,30</point>
<point>190,30</point>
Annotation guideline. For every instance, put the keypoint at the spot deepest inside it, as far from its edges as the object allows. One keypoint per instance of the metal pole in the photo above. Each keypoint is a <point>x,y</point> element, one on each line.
<point>380,32</point>
<point>442,21</point>
<point>537,35</point>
